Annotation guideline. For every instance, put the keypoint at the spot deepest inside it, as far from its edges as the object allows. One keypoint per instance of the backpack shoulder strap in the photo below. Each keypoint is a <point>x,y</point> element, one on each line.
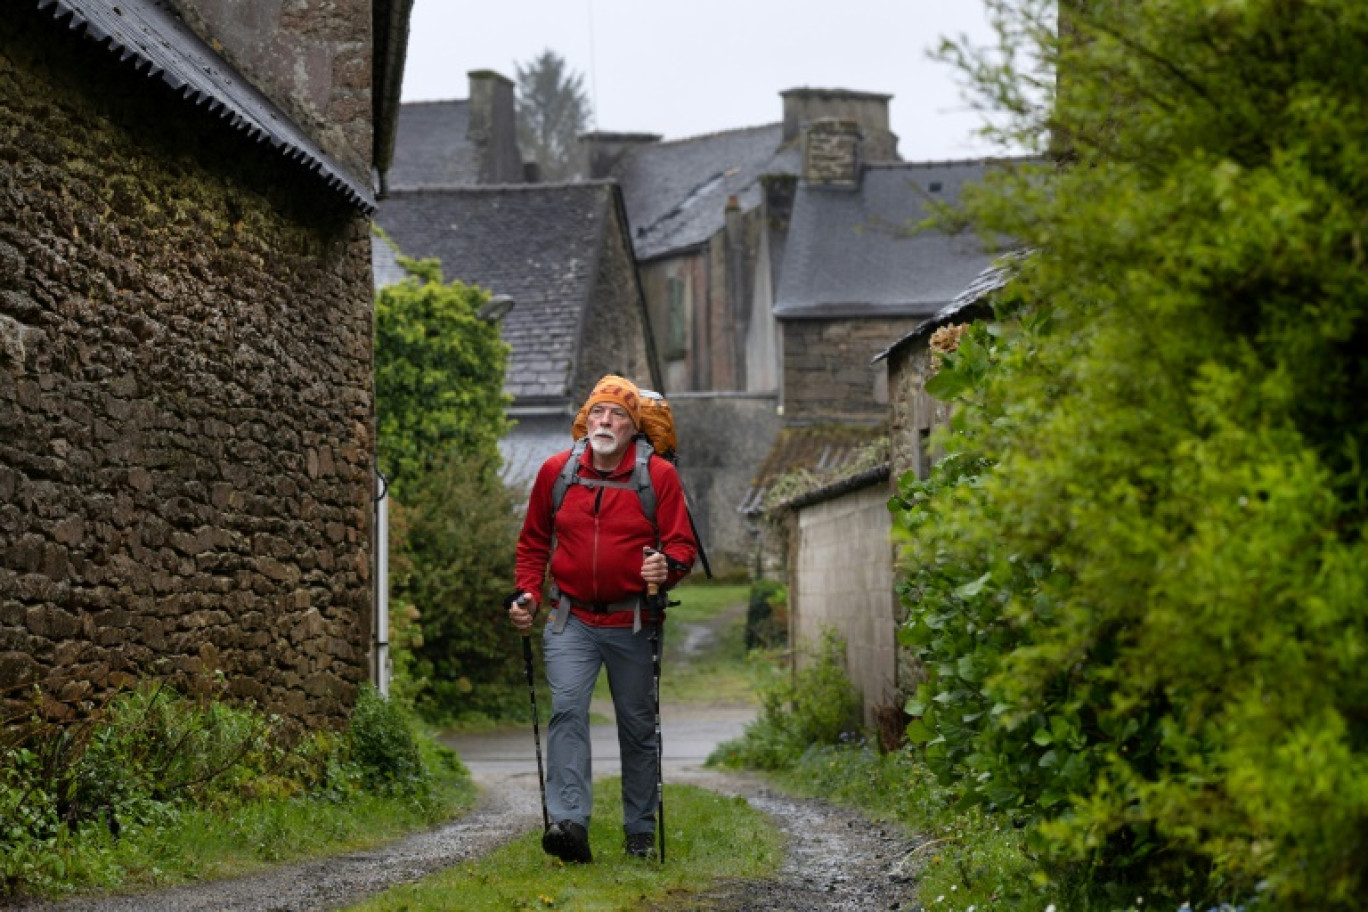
<point>641,477</point>
<point>568,473</point>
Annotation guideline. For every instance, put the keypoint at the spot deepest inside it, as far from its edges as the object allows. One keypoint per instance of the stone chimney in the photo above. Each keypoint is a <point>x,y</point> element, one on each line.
<point>868,110</point>
<point>493,128</point>
<point>831,153</point>
<point>600,152</point>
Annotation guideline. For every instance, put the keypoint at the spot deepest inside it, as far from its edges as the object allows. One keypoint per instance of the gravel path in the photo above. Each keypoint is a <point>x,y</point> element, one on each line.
<point>835,861</point>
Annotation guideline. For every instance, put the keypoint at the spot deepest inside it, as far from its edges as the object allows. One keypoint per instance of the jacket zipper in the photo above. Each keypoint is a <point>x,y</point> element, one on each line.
<point>598,502</point>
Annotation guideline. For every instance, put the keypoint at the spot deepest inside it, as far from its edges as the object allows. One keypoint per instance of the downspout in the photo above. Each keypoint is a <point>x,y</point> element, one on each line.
<point>381,670</point>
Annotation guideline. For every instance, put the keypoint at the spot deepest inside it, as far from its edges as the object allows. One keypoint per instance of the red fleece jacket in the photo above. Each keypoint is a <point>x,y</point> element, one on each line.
<point>600,533</point>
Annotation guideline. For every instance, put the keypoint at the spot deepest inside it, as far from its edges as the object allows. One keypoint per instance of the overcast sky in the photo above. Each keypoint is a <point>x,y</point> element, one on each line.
<point>684,69</point>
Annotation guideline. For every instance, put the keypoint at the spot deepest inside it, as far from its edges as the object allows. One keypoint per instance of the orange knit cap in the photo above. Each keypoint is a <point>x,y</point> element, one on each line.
<point>618,391</point>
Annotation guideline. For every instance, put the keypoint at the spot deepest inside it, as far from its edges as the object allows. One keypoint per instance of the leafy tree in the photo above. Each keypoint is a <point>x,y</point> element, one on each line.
<point>553,110</point>
<point>439,373</point>
<point>1139,584</point>
<point>459,542</point>
<point>439,378</point>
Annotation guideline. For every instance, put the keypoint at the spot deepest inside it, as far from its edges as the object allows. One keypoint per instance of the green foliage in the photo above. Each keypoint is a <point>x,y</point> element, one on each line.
<point>1138,586</point>
<point>767,615</point>
<point>383,745</point>
<point>91,803</point>
<point>553,111</point>
<point>439,379</point>
<point>815,706</point>
<point>457,561</point>
<point>439,372</point>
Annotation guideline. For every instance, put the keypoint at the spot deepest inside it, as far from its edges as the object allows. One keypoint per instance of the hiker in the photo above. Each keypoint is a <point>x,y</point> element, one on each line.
<point>603,552</point>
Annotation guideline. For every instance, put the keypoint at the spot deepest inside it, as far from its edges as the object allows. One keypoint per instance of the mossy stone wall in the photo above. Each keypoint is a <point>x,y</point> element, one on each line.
<point>186,406</point>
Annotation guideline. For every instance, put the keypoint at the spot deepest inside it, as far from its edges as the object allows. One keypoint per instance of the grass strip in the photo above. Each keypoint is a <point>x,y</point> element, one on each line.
<point>968,858</point>
<point>710,838</point>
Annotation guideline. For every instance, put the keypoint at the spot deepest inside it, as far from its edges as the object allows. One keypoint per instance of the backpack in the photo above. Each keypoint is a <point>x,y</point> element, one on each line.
<point>655,437</point>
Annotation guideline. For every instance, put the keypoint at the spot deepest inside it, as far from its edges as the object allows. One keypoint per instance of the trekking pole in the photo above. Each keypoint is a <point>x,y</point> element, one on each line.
<point>536,724</point>
<point>653,600</point>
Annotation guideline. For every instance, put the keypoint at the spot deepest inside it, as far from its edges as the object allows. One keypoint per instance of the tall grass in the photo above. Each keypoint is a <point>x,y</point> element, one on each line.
<point>159,787</point>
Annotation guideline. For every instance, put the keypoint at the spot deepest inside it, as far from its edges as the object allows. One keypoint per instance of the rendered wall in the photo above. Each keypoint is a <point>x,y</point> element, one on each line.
<point>186,407</point>
<point>842,578</point>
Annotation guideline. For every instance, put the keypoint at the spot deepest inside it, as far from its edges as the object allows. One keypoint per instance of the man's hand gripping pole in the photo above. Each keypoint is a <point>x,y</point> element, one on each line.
<point>521,600</point>
<point>654,600</point>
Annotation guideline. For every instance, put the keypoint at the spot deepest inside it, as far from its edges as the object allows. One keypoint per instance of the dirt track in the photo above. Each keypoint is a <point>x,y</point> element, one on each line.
<point>835,861</point>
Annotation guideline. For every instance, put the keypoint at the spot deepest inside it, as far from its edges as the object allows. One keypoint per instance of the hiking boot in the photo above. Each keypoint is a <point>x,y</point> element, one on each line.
<point>568,841</point>
<point>640,845</point>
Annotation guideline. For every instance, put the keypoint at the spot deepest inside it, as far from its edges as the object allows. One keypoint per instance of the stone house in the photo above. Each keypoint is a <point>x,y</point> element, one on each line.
<point>462,142</point>
<point>709,217</point>
<point>186,404</point>
<point>460,192</point>
<point>855,279</point>
<point>914,416</point>
<point>560,252</point>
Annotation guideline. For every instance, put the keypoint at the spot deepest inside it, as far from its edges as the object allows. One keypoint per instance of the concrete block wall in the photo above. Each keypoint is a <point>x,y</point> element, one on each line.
<point>842,578</point>
<point>186,408</point>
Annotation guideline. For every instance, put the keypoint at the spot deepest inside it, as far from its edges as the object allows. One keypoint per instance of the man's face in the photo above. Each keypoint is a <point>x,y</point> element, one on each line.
<point>610,428</point>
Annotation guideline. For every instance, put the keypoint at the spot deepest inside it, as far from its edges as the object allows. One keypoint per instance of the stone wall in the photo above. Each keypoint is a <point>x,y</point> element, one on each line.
<point>841,578</point>
<point>311,57</point>
<point>614,339</point>
<point>827,371</point>
<point>186,409</point>
<point>831,153</point>
<point>683,370</point>
<point>723,439</point>
<point>914,415</point>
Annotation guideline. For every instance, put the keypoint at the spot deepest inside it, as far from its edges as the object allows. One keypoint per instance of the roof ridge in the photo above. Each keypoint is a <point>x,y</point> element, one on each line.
<point>434,101</point>
<point>713,135</point>
<point>597,184</point>
<point>943,162</point>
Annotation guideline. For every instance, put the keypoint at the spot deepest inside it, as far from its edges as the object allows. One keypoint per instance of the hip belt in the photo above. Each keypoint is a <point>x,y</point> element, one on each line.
<point>564,603</point>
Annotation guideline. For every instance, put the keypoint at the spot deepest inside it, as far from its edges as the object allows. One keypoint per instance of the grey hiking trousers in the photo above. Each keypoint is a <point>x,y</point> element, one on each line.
<point>573,659</point>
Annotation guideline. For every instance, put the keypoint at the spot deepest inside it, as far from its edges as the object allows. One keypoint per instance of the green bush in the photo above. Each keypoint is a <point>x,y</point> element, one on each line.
<point>152,758</point>
<point>456,566</point>
<point>1142,615</point>
<point>766,615</point>
<point>815,706</point>
<point>384,747</point>
<point>439,372</point>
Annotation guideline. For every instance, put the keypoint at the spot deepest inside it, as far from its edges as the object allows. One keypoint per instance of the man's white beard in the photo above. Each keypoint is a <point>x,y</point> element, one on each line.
<point>604,444</point>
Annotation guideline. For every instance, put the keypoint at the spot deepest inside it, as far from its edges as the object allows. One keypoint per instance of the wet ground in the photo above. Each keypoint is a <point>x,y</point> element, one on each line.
<point>835,859</point>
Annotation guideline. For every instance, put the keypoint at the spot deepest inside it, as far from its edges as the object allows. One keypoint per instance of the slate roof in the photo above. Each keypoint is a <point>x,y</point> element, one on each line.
<point>431,147</point>
<point>830,453</point>
<point>150,35</point>
<point>676,192</point>
<point>967,303</point>
<point>538,243</point>
<point>849,253</point>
